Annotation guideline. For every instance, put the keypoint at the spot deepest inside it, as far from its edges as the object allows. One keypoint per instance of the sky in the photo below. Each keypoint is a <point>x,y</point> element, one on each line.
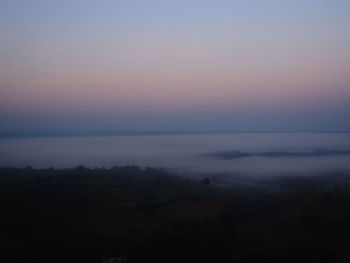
<point>174,65</point>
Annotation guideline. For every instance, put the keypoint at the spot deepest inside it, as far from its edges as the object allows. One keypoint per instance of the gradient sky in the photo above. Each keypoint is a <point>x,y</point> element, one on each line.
<point>136,65</point>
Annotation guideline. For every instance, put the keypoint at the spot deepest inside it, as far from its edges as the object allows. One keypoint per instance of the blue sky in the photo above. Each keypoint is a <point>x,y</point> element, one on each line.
<point>174,65</point>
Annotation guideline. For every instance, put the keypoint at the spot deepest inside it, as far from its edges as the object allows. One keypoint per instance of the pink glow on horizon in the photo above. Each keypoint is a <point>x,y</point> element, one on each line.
<point>235,62</point>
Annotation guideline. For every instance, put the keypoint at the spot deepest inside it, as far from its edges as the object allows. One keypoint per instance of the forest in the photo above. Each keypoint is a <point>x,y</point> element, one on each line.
<point>132,214</point>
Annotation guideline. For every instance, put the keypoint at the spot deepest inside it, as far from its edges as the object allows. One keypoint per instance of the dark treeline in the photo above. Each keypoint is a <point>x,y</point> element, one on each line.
<point>128,214</point>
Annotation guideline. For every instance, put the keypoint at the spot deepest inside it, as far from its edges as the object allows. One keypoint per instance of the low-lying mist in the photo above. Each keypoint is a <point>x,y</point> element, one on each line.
<point>190,155</point>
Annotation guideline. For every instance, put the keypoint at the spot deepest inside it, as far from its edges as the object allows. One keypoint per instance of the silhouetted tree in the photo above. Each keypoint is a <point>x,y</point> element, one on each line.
<point>206,181</point>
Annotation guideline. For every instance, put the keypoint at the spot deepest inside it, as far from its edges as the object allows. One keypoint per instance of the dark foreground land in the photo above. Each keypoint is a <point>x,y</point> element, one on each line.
<point>127,214</point>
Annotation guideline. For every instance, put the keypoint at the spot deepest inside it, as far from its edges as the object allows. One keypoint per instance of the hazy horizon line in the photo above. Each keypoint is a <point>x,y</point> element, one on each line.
<point>42,134</point>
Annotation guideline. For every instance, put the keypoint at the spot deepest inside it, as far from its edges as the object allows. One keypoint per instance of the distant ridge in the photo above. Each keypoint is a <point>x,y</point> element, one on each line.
<point>229,155</point>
